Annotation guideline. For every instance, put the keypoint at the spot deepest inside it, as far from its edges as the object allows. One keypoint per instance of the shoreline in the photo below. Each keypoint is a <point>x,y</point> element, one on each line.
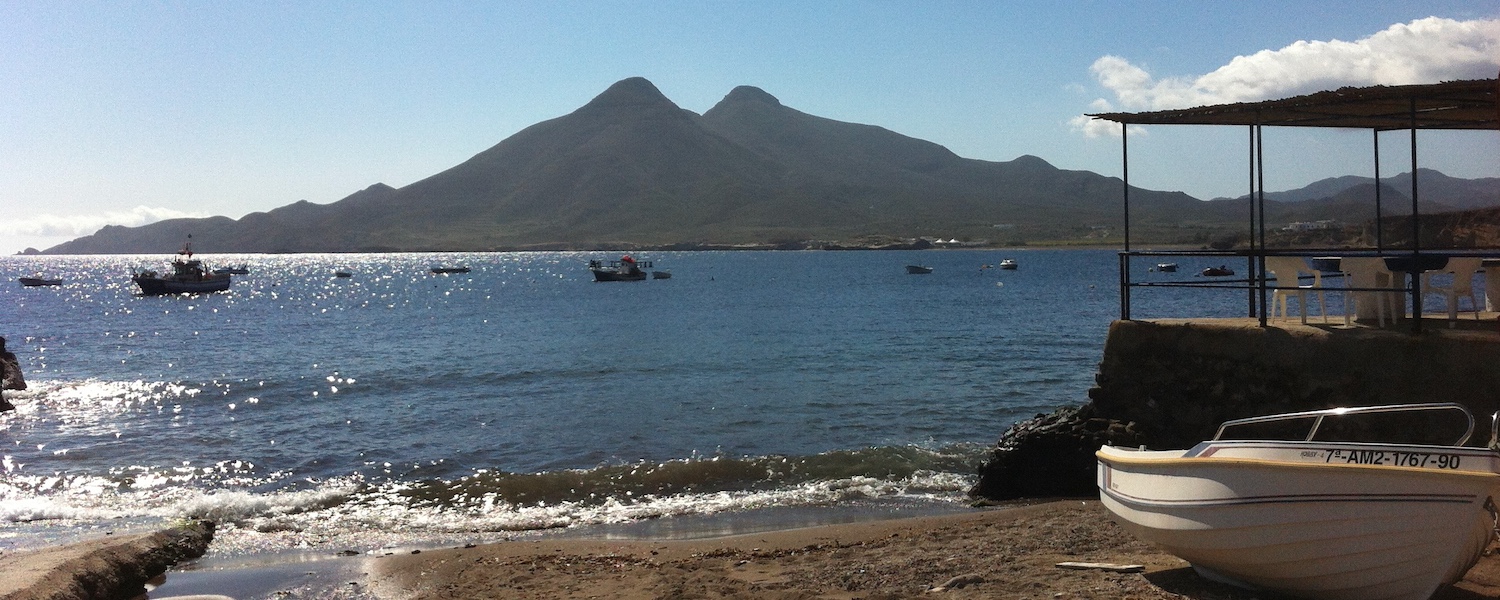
<point>1002,552</point>
<point>337,572</point>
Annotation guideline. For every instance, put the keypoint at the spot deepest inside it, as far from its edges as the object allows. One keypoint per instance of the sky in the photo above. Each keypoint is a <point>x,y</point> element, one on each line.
<point>129,112</point>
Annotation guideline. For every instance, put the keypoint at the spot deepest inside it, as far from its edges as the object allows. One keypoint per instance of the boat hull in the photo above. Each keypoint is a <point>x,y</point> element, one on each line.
<point>918,270</point>
<point>157,286</point>
<point>39,282</point>
<point>1327,531</point>
<point>611,275</point>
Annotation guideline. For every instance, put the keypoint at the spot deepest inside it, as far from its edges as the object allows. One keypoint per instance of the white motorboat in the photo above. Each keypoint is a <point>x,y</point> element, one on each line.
<point>1316,519</point>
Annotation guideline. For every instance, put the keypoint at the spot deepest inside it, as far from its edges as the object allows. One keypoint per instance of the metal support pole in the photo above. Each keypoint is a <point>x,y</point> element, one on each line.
<point>1260,201</point>
<point>1416,230</point>
<point>1379,227</point>
<point>1250,295</point>
<point>1125,259</point>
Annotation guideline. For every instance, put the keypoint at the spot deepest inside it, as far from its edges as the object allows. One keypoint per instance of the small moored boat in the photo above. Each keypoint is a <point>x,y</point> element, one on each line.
<point>1167,267</point>
<point>625,269</point>
<point>188,276</point>
<point>1331,520</point>
<point>446,270</point>
<point>1009,264</point>
<point>39,282</point>
<point>1219,271</point>
<point>918,270</point>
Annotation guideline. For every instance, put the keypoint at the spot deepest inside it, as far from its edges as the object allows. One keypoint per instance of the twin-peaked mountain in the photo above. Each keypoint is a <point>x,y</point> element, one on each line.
<point>630,168</point>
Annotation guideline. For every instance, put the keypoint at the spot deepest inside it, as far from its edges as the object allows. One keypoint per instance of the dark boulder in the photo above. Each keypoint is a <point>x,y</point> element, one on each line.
<point>1050,455</point>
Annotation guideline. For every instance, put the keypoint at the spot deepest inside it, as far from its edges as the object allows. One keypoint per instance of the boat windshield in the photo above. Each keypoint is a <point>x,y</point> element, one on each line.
<point>1357,423</point>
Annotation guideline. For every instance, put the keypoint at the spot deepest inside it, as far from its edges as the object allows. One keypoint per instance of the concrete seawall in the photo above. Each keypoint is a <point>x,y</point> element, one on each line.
<point>1179,379</point>
<point>1170,383</point>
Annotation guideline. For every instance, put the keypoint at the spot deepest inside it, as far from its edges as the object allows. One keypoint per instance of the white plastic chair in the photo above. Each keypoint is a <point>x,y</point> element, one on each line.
<point>1463,269</point>
<point>1284,272</point>
<point>1370,272</point>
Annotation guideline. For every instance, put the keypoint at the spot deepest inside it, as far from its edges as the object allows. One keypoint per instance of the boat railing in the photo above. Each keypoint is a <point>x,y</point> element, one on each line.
<point>1318,415</point>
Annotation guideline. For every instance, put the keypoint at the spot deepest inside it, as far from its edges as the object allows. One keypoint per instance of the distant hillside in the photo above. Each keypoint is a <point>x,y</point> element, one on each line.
<point>632,169</point>
<point>1433,186</point>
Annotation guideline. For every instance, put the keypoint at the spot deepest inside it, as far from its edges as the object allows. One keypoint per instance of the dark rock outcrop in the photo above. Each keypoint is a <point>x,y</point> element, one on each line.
<point>103,568</point>
<point>1051,455</point>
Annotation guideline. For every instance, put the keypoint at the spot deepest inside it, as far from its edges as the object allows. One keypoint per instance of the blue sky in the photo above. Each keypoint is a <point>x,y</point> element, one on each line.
<point>129,112</point>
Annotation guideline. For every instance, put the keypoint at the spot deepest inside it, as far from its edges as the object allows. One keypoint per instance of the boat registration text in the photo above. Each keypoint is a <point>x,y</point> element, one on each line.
<point>1391,458</point>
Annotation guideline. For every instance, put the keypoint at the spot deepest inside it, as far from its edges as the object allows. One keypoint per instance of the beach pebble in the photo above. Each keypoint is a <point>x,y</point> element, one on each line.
<point>958,582</point>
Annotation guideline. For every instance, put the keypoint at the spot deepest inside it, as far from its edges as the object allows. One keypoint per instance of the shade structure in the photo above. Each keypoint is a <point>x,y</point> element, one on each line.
<point>1452,105</point>
<point>1469,104</point>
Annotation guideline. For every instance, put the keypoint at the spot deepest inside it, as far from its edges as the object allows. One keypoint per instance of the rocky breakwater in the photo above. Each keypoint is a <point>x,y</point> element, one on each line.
<point>1170,383</point>
<point>1051,455</point>
<point>103,568</point>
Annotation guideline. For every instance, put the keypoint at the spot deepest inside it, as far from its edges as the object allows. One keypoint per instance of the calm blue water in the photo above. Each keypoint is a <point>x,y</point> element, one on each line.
<point>300,409</point>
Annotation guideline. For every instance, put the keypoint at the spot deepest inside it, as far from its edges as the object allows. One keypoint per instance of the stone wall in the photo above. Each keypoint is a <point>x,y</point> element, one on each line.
<point>1169,384</point>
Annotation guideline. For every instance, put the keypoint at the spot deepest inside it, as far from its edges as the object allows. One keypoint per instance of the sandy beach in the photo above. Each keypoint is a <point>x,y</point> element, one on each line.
<point>1007,552</point>
<point>1004,552</point>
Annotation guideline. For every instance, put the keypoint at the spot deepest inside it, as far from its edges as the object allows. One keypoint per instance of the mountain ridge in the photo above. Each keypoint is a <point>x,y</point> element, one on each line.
<point>630,168</point>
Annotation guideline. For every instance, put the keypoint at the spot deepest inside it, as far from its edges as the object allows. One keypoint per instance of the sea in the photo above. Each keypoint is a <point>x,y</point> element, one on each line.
<point>395,408</point>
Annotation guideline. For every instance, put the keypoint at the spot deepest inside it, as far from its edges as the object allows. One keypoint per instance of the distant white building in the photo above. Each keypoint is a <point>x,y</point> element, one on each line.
<point>1311,225</point>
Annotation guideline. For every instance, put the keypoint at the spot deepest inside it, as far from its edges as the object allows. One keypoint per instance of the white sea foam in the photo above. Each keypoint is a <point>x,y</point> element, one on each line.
<point>383,518</point>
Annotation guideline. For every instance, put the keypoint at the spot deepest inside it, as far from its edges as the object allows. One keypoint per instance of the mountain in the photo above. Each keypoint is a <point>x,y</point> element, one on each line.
<point>1434,186</point>
<point>632,169</point>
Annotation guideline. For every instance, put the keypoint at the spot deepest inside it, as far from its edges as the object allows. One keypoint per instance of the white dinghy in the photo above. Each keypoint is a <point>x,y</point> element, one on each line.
<point>1316,519</point>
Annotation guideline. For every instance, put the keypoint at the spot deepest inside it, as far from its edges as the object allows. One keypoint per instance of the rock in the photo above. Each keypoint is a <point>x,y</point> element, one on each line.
<point>1050,455</point>
<point>958,582</point>
<point>104,568</point>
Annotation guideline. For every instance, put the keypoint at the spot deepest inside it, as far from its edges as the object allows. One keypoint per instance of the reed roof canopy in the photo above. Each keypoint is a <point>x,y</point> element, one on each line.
<point>1469,104</point>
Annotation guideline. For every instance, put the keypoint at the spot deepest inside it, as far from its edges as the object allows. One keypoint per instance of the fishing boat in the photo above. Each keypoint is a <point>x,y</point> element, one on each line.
<point>625,269</point>
<point>1219,271</point>
<point>447,270</point>
<point>188,276</point>
<point>239,270</point>
<point>1009,264</point>
<point>39,282</point>
<point>917,270</point>
<point>1334,520</point>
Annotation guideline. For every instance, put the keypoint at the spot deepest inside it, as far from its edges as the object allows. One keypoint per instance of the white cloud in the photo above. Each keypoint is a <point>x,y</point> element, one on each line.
<point>80,225</point>
<point>1429,50</point>
<point>1092,127</point>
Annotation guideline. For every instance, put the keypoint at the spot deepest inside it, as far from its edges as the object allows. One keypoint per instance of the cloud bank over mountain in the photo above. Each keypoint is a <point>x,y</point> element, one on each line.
<point>1429,50</point>
<point>48,225</point>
